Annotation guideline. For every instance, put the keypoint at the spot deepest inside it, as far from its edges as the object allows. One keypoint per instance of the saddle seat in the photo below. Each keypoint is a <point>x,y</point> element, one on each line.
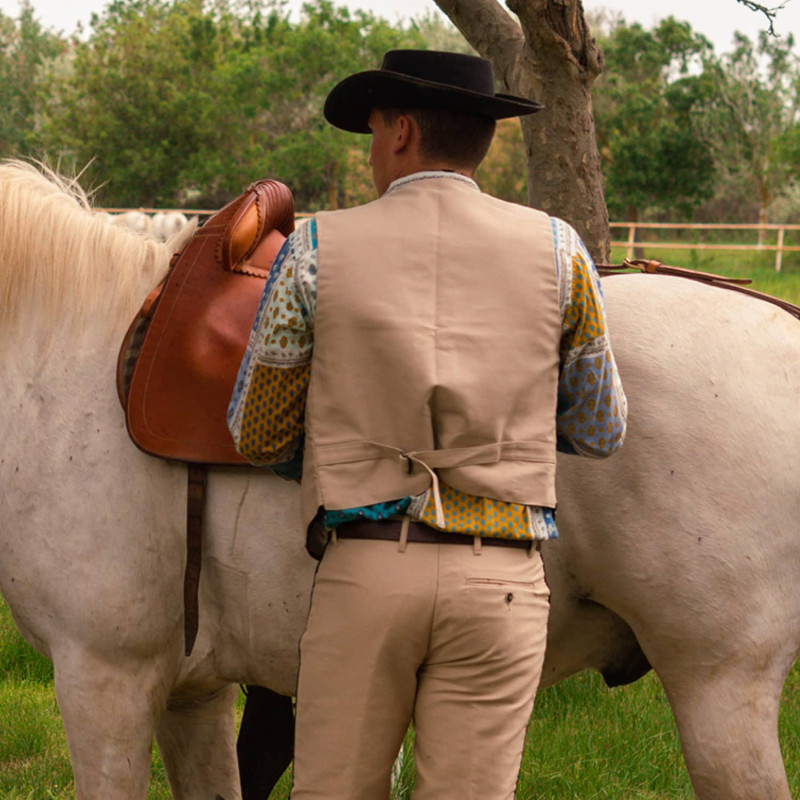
<point>179,361</point>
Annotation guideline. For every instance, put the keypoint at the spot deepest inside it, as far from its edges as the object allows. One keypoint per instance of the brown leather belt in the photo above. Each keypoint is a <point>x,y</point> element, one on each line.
<point>389,530</point>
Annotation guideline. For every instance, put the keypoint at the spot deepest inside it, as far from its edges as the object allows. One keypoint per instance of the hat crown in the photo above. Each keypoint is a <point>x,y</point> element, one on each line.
<point>459,70</point>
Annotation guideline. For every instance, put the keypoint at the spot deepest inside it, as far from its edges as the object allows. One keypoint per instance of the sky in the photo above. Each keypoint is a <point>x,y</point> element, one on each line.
<point>716,19</point>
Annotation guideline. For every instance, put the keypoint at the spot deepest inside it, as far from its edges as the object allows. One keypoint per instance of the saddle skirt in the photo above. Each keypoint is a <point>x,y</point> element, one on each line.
<point>179,361</point>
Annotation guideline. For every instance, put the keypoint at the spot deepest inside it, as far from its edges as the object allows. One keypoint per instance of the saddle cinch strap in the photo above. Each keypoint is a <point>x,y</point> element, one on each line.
<point>179,361</point>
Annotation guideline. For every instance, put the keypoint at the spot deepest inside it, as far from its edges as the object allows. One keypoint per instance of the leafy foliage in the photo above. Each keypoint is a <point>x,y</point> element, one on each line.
<point>751,122</point>
<point>187,102</point>
<point>503,173</point>
<point>653,158</point>
<point>24,48</point>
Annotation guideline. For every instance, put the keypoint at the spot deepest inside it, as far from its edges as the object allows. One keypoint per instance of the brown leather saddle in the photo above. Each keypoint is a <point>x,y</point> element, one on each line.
<point>180,358</point>
<point>179,361</point>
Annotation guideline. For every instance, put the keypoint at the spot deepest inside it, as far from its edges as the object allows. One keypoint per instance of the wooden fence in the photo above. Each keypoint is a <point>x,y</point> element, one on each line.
<point>634,242</point>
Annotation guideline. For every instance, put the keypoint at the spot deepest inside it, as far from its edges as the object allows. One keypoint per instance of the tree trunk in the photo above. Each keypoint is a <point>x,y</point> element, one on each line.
<point>549,56</point>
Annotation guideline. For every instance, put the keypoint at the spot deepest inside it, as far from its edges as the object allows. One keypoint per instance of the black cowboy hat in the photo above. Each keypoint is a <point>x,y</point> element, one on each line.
<point>422,79</point>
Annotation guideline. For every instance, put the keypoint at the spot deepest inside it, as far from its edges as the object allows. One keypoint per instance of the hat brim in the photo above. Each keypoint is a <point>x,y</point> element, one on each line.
<point>351,101</point>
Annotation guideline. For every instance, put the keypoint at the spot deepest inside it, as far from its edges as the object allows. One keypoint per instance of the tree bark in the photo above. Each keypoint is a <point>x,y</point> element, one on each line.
<point>550,56</point>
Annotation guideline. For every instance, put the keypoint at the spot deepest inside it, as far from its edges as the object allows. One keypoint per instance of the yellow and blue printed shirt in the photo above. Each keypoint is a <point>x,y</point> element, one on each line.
<point>267,409</point>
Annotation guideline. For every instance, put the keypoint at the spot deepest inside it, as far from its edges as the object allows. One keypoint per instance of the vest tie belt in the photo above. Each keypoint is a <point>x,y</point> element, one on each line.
<point>431,460</point>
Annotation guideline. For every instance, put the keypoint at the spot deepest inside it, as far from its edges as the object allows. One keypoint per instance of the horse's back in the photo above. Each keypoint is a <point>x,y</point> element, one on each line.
<point>708,372</point>
<point>680,331</point>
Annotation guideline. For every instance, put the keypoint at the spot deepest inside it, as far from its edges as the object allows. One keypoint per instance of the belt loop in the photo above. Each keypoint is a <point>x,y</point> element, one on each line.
<point>334,537</point>
<point>476,545</point>
<point>404,534</point>
<point>535,547</point>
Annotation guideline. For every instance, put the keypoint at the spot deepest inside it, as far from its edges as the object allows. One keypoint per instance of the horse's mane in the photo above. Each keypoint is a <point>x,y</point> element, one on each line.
<point>58,258</point>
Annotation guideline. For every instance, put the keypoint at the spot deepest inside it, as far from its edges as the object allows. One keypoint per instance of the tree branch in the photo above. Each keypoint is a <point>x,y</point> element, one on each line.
<point>490,30</point>
<point>558,28</point>
<point>769,13</point>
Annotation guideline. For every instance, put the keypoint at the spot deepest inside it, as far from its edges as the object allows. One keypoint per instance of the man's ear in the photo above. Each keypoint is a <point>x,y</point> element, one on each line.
<point>406,132</point>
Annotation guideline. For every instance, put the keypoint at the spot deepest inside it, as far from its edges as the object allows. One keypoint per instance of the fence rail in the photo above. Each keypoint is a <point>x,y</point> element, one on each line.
<point>633,242</point>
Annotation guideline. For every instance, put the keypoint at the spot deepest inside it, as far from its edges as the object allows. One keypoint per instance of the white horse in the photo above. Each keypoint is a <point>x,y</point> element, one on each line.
<point>167,224</point>
<point>682,551</point>
<point>163,225</point>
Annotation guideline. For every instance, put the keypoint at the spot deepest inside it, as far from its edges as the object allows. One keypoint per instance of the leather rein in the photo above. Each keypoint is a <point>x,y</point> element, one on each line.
<point>652,267</point>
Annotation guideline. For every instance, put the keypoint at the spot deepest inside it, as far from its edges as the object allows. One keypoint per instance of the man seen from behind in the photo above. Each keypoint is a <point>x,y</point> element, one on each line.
<point>423,357</point>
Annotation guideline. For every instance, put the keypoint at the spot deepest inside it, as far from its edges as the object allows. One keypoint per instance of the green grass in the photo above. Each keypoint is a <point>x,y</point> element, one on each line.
<point>585,742</point>
<point>597,743</point>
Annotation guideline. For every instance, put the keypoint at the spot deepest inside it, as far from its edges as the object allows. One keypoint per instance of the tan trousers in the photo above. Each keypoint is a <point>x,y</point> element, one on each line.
<point>444,635</point>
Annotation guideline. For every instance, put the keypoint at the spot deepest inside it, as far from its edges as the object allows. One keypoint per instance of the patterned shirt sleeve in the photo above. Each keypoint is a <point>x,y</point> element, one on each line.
<point>266,413</point>
<point>592,409</point>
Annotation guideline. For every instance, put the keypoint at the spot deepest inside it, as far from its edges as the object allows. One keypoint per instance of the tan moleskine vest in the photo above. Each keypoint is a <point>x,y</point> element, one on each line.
<point>436,350</point>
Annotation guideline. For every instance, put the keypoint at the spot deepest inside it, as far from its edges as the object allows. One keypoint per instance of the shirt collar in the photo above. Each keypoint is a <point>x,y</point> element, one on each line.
<point>429,174</point>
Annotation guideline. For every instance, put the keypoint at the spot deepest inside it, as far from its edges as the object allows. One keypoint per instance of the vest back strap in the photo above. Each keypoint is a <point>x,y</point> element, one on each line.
<point>431,460</point>
<point>349,452</point>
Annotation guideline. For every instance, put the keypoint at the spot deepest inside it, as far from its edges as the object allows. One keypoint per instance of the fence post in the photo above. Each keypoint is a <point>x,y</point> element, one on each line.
<point>779,256</point>
<point>631,240</point>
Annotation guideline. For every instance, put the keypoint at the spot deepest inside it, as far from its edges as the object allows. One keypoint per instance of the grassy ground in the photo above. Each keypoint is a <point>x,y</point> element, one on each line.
<point>585,742</point>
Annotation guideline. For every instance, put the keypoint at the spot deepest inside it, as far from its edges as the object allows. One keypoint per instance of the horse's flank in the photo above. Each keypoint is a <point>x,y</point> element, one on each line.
<point>43,213</point>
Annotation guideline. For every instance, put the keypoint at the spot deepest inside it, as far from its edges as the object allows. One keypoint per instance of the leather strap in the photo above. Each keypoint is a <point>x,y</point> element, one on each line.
<point>734,284</point>
<point>390,529</point>
<point>195,500</point>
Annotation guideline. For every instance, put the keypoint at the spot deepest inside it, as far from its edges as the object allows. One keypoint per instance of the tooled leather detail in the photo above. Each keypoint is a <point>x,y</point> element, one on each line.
<point>266,206</point>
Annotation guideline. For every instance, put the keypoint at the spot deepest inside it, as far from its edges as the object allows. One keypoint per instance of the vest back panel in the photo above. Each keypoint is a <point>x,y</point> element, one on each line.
<point>437,336</point>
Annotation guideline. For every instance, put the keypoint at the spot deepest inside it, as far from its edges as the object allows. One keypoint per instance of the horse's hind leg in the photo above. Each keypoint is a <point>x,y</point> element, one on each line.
<point>728,724</point>
<point>108,719</point>
<point>197,740</point>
